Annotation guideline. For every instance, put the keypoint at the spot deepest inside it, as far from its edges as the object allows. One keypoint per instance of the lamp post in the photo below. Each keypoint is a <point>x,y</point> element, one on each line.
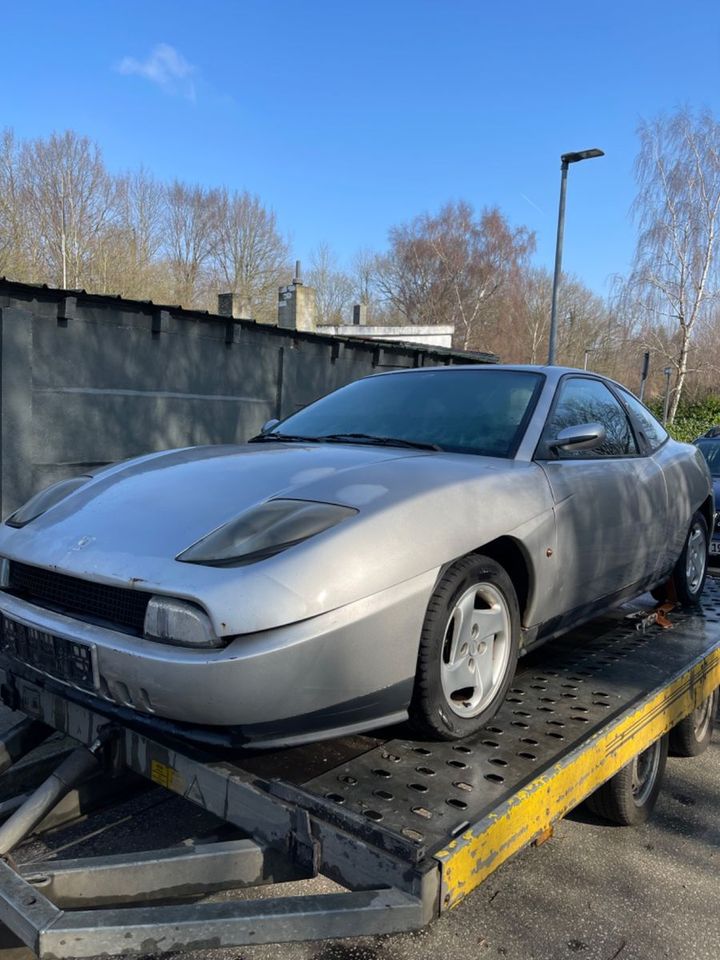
<point>644,373</point>
<point>667,371</point>
<point>565,160</point>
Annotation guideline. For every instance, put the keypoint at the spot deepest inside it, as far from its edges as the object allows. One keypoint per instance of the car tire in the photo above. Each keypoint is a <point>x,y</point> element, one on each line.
<point>629,797</point>
<point>687,581</point>
<point>692,736</point>
<point>468,650</point>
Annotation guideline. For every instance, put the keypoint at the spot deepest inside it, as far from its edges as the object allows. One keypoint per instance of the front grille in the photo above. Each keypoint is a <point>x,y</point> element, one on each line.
<point>84,599</point>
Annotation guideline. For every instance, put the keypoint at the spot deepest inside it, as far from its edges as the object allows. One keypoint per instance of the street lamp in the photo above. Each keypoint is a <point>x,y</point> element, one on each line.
<point>667,371</point>
<point>565,160</point>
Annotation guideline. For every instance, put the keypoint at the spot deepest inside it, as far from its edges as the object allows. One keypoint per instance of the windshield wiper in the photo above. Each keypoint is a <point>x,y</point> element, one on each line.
<point>380,441</point>
<point>284,438</point>
<point>343,438</point>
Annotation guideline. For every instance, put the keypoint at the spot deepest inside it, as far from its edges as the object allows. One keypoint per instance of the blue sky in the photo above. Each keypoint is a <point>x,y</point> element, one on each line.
<point>349,117</point>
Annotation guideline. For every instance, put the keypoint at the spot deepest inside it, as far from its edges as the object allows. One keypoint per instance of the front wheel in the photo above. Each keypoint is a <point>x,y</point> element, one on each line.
<point>468,650</point>
<point>687,580</point>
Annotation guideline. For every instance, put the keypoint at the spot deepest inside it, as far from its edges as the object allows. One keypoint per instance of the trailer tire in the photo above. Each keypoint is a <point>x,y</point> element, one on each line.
<point>692,736</point>
<point>629,797</point>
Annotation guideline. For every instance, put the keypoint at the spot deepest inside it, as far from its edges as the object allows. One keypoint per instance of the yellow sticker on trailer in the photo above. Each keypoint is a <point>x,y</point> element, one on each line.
<point>166,776</point>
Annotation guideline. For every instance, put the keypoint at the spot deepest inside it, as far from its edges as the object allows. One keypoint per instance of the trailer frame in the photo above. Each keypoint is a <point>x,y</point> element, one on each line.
<point>407,828</point>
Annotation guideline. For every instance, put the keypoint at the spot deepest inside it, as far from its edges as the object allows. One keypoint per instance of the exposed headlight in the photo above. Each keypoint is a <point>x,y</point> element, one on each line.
<point>178,622</point>
<point>264,531</point>
<point>42,501</point>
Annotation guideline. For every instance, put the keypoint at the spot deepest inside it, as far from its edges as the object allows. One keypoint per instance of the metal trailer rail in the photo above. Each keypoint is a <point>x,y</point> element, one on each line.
<point>407,828</point>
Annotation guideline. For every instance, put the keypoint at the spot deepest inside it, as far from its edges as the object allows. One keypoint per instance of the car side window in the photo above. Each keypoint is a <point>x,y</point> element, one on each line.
<point>583,400</point>
<point>654,433</point>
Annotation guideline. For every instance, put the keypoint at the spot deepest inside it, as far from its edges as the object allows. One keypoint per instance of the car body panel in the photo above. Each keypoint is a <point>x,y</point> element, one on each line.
<point>123,530</point>
<point>688,483</point>
<point>597,502</point>
<point>327,662</point>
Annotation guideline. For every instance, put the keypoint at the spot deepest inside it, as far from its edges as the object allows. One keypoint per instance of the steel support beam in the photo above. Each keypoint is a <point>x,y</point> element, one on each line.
<point>154,930</point>
<point>189,871</point>
<point>137,931</point>
<point>33,811</point>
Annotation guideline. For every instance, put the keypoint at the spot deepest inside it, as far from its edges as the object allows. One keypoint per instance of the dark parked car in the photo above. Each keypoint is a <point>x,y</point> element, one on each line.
<point>709,445</point>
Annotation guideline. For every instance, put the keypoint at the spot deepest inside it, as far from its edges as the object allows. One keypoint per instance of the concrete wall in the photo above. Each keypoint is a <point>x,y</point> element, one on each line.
<point>87,380</point>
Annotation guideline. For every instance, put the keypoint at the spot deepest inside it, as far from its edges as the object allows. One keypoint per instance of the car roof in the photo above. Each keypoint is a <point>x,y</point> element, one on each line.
<point>551,372</point>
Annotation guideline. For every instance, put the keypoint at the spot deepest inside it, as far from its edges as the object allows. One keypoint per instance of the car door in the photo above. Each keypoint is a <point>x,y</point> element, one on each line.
<point>610,502</point>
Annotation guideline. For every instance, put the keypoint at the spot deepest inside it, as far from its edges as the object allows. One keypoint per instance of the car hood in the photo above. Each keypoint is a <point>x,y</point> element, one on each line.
<point>161,504</point>
<point>416,511</point>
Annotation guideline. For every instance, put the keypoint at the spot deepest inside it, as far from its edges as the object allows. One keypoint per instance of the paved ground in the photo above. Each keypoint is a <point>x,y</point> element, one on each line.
<point>593,892</point>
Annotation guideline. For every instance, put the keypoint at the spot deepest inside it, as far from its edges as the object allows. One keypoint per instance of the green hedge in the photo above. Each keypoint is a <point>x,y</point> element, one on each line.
<point>693,419</point>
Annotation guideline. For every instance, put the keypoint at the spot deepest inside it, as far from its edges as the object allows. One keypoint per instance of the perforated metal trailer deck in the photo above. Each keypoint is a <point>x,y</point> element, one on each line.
<point>407,828</point>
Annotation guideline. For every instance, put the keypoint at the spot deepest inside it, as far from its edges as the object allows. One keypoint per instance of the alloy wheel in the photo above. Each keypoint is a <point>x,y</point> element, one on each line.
<point>476,649</point>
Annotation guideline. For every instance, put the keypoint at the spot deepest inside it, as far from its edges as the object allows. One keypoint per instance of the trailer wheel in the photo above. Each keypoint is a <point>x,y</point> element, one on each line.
<point>468,650</point>
<point>628,798</point>
<point>692,736</point>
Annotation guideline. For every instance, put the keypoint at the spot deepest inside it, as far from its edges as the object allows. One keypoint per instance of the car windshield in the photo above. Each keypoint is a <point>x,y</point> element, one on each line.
<point>482,411</point>
<point>710,449</point>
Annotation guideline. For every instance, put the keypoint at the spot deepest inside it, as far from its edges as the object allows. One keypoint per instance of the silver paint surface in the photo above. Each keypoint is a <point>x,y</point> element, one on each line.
<point>338,617</point>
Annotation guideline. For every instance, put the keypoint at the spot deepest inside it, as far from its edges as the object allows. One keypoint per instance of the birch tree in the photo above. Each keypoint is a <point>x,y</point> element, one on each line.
<point>675,276</point>
<point>70,203</point>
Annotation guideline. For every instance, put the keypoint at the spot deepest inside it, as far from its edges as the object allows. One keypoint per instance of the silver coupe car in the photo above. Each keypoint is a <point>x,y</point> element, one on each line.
<point>385,553</point>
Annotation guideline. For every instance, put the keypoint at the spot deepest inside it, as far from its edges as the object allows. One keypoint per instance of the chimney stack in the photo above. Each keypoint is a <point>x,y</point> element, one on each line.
<point>297,308</point>
<point>359,314</point>
<point>231,305</point>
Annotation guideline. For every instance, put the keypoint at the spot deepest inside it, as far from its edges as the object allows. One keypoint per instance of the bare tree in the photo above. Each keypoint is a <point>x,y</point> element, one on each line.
<point>249,255</point>
<point>12,224</point>
<point>445,268</point>
<point>530,313</point>
<point>674,281</point>
<point>70,199</point>
<point>127,260</point>
<point>191,212</point>
<point>333,287</point>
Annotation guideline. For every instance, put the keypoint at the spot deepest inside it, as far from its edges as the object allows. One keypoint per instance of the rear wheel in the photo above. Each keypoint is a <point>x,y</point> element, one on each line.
<point>629,797</point>
<point>687,580</point>
<point>468,650</point>
<point>692,736</point>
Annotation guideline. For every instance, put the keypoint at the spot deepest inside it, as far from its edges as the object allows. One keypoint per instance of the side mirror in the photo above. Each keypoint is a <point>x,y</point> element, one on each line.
<point>268,425</point>
<point>586,436</point>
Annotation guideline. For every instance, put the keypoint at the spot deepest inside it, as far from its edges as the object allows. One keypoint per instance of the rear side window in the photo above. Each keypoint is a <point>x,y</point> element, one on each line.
<point>582,400</point>
<point>653,432</point>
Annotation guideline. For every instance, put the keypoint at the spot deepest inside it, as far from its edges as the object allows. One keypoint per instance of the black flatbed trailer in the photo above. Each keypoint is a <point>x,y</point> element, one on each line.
<point>406,828</point>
